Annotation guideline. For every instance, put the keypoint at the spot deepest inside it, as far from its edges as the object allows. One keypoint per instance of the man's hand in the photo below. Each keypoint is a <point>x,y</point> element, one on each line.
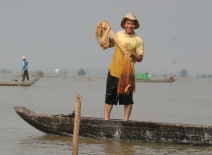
<point>111,44</point>
<point>135,57</point>
<point>128,54</point>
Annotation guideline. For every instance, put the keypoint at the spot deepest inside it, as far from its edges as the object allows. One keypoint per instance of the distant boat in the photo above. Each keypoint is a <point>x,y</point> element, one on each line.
<point>156,80</point>
<point>19,83</point>
<point>145,77</point>
<point>117,129</point>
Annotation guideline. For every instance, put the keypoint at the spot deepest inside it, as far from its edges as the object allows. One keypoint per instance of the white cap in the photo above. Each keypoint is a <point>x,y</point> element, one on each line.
<point>23,57</point>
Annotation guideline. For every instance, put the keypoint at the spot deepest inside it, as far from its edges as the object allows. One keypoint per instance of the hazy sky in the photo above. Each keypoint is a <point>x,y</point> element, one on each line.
<point>60,33</point>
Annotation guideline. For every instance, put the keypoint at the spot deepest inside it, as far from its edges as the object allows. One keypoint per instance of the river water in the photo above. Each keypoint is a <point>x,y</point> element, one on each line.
<point>184,101</point>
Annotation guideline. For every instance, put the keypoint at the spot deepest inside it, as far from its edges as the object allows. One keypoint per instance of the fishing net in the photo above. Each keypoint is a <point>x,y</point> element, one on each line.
<point>127,79</point>
<point>102,34</point>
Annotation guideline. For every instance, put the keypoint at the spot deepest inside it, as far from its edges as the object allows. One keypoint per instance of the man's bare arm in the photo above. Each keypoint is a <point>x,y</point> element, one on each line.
<point>137,58</point>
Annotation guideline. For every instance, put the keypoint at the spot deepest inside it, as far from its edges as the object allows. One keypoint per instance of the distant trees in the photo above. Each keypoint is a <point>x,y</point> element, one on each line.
<point>81,72</point>
<point>204,76</point>
<point>183,73</point>
<point>3,71</point>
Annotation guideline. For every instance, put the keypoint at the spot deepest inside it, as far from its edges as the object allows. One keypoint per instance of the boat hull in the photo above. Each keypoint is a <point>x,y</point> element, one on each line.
<point>115,129</point>
<point>156,81</point>
<point>19,83</point>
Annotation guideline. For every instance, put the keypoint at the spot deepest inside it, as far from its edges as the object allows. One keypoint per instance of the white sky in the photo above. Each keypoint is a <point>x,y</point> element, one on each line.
<point>60,33</point>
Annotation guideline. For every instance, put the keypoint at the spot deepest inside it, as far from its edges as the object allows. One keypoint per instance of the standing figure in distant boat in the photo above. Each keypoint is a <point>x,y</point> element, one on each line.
<point>171,78</point>
<point>25,68</point>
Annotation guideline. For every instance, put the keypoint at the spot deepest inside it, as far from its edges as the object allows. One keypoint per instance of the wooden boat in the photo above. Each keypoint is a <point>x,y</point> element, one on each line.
<point>115,129</point>
<point>156,80</point>
<point>19,83</point>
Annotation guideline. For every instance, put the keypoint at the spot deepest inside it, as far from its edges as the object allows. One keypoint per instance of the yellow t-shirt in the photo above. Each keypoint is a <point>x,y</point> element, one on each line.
<point>133,44</point>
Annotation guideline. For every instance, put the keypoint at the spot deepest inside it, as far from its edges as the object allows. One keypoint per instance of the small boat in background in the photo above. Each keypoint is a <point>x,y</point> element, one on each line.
<point>145,77</point>
<point>156,80</point>
<point>19,83</point>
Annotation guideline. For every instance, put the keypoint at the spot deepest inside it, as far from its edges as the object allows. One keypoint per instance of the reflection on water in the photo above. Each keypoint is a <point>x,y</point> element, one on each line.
<point>62,145</point>
<point>186,101</point>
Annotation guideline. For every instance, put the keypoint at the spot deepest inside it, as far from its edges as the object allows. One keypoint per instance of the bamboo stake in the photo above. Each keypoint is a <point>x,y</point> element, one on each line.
<point>76,124</point>
<point>20,79</point>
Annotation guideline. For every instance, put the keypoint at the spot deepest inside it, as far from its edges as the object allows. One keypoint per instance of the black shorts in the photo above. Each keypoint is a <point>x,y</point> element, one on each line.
<point>111,96</point>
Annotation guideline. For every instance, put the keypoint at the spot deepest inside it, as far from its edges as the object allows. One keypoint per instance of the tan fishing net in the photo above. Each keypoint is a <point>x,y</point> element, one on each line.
<point>102,34</point>
<point>127,79</point>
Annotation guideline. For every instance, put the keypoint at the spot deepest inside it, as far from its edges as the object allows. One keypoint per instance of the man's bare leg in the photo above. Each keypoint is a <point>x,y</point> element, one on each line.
<point>127,111</point>
<point>107,110</point>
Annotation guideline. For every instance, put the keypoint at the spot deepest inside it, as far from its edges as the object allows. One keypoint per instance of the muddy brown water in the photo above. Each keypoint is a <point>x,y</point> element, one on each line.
<point>184,101</point>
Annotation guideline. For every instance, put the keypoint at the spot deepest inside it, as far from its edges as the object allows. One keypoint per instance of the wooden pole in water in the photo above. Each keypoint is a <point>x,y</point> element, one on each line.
<point>20,79</point>
<point>76,125</point>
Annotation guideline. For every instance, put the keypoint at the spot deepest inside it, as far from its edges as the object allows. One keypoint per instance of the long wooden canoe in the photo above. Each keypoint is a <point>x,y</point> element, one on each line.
<point>115,129</point>
<point>156,80</point>
<point>19,83</point>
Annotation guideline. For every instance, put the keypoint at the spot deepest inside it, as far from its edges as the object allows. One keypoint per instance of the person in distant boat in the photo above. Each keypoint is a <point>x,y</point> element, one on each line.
<point>148,75</point>
<point>25,68</point>
<point>171,78</point>
<point>135,49</point>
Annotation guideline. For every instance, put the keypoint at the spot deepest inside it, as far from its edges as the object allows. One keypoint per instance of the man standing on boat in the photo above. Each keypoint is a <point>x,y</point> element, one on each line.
<point>25,68</point>
<point>135,49</point>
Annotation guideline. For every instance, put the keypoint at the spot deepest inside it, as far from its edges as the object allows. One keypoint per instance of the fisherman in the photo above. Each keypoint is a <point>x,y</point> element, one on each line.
<point>171,78</point>
<point>135,49</point>
<point>25,68</point>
